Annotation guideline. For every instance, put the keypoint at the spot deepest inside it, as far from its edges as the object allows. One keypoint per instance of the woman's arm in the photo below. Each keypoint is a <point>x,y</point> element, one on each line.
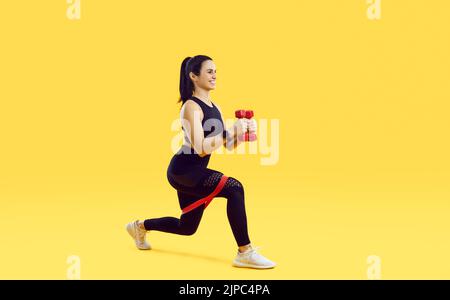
<point>191,119</point>
<point>231,141</point>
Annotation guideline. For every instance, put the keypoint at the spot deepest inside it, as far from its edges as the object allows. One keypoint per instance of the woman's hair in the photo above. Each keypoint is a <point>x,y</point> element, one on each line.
<point>194,65</point>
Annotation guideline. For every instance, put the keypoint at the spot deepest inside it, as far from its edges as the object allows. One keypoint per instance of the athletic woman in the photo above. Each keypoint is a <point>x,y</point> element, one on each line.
<point>188,171</point>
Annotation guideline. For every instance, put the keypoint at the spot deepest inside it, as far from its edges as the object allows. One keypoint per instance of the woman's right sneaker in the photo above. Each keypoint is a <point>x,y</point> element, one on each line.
<point>252,259</point>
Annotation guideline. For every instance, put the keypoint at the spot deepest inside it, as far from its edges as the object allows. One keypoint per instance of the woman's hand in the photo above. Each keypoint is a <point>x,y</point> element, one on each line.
<point>240,126</point>
<point>252,125</point>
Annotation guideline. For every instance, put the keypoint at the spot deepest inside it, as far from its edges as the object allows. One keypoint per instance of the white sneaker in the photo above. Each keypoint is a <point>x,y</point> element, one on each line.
<point>138,235</point>
<point>252,259</point>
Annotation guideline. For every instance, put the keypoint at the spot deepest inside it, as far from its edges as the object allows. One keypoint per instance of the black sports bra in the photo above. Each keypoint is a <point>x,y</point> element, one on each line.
<point>212,119</point>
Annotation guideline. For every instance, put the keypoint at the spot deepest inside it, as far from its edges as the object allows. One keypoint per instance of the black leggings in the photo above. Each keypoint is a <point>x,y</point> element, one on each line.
<point>198,184</point>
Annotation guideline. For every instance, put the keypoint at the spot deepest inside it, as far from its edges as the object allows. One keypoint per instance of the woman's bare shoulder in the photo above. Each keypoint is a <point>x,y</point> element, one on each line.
<point>190,107</point>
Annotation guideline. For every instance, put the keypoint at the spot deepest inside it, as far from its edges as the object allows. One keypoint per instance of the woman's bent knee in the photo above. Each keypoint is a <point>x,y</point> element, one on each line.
<point>235,185</point>
<point>188,230</point>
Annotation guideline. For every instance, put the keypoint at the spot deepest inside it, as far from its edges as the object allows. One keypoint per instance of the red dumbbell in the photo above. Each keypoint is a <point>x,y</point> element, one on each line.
<point>248,114</point>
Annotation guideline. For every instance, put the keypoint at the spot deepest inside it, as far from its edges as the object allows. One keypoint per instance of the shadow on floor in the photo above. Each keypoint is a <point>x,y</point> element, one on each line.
<point>196,256</point>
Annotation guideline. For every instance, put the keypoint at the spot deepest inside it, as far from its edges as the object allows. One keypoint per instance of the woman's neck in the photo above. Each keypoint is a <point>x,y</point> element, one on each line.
<point>202,95</point>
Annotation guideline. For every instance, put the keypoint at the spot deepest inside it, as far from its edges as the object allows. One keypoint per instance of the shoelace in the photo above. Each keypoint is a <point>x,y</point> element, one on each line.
<point>140,233</point>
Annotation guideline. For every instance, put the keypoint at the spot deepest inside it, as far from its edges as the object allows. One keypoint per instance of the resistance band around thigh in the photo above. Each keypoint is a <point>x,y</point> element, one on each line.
<point>206,200</point>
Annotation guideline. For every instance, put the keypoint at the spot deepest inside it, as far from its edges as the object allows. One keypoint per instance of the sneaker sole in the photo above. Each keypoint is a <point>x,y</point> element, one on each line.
<point>244,265</point>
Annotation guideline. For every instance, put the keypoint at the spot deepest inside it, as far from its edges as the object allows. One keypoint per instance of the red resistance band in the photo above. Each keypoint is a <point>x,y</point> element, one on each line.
<point>208,198</point>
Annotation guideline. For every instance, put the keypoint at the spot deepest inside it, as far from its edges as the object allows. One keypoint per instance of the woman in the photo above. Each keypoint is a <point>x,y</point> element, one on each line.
<point>196,184</point>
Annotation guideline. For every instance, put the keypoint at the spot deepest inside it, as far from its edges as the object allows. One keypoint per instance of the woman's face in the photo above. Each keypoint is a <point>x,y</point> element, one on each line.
<point>207,78</point>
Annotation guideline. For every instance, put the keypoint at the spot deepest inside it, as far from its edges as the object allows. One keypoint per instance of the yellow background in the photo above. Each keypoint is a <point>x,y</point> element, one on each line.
<point>85,114</point>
